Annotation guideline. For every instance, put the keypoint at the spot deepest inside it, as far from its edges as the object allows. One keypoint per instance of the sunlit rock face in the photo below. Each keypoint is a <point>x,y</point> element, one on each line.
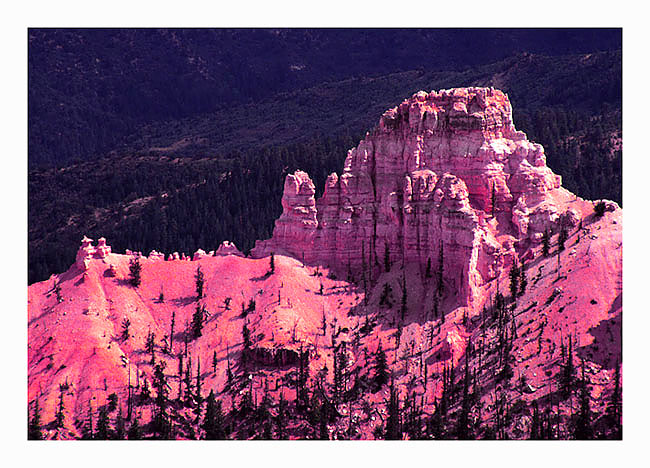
<point>443,175</point>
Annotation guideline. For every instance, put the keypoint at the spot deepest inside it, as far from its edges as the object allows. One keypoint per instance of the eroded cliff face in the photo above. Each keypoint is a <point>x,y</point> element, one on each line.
<point>443,175</point>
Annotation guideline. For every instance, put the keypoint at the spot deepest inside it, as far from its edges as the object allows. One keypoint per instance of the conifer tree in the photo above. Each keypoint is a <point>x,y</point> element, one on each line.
<point>34,430</point>
<point>87,432</point>
<point>161,422</point>
<point>59,416</point>
<point>120,431</point>
<point>150,345</point>
<point>599,209</point>
<point>393,429</point>
<point>562,237</point>
<point>535,432</point>
<point>386,257</point>
<point>197,321</point>
<point>463,429</point>
<point>214,362</point>
<point>126,324</point>
<point>199,279</point>
<point>614,407</point>
<point>514,280</point>
<point>213,420</point>
<point>272,264</point>
<point>566,377</point>
<point>281,419</point>
<point>135,431</point>
<point>135,272</point>
<point>197,396</point>
<point>583,423</point>
<point>427,273</point>
<point>403,307</point>
<point>381,368</point>
<point>171,332</point>
<point>102,424</point>
<point>523,281</point>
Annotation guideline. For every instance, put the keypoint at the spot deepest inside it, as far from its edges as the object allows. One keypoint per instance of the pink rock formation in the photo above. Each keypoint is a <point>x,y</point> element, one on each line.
<point>228,248</point>
<point>198,255</point>
<point>443,172</point>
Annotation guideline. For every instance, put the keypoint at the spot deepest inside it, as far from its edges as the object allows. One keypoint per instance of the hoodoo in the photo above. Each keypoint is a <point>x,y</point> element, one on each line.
<point>445,176</point>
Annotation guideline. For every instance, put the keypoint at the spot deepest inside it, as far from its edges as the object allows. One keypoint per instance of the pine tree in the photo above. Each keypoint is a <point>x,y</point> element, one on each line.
<point>199,279</point>
<point>381,368</point>
<point>197,396</point>
<point>59,416</point>
<point>566,376</point>
<point>614,407</point>
<point>403,307</point>
<point>272,264</point>
<point>197,321</point>
<point>126,324</point>
<point>214,362</point>
<point>135,432</point>
<point>535,427</point>
<point>514,280</point>
<point>150,345</point>
<point>135,272</point>
<point>160,422</point>
<point>281,419</point>
<point>386,257</point>
<point>463,429</point>
<point>171,333</point>
<point>393,429</point>
<point>213,423</point>
<point>87,432</point>
<point>562,238</point>
<point>102,424</point>
<point>34,431</point>
<point>120,431</point>
<point>523,281</point>
<point>583,423</point>
<point>599,209</point>
<point>427,273</point>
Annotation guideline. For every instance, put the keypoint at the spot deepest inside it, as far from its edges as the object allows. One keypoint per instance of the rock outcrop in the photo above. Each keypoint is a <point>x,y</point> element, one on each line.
<point>444,176</point>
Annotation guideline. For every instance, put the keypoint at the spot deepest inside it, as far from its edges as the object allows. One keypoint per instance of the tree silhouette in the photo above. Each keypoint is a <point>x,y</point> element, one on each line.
<point>213,420</point>
<point>381,367</point>
<point>199,279</point>
<point>34,426</point>
<point>135,272</point>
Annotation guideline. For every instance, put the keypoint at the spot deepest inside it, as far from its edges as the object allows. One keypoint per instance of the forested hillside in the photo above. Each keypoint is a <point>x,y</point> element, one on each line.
<point>90,88</point>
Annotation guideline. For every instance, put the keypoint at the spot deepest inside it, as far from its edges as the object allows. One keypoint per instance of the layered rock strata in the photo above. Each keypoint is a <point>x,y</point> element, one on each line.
<point>444,177</point>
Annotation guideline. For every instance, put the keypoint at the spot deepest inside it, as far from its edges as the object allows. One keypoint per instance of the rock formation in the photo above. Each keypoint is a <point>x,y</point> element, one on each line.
<point>443,173</point>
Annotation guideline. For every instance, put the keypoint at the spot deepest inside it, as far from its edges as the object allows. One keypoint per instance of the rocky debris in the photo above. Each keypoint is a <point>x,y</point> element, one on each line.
<point>427,179</point>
